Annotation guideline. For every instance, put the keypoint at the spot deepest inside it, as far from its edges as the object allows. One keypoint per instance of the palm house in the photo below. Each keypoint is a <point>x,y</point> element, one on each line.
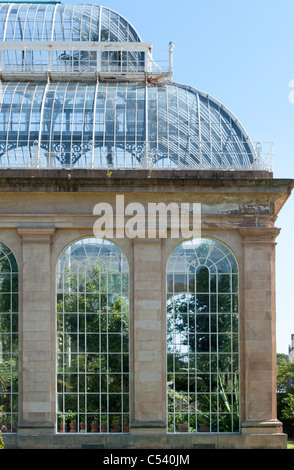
<point>136,337</point>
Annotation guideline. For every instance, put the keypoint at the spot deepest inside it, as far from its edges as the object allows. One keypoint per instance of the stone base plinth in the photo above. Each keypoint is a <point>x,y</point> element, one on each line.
<point>271,426</point>
<point>145,440</point>
<point>35,428</point>
<point>148,427</point>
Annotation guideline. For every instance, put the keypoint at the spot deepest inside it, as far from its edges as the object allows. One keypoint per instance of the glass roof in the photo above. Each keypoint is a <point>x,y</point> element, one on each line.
<point>58,22</point>
<point>124,125</point>
<point>68,100</point>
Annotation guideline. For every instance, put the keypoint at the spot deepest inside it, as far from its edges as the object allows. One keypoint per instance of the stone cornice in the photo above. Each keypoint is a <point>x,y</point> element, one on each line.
<point>75,180</point>
<point>110,174</point>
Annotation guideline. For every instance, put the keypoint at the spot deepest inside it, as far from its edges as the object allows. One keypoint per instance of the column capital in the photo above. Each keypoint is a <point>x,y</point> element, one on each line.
<point>41,233</point>
<point>259,234</point>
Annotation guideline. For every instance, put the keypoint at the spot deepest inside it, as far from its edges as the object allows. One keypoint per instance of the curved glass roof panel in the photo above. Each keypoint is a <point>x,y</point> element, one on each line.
<point>58,22</point>
<point>121,125</point>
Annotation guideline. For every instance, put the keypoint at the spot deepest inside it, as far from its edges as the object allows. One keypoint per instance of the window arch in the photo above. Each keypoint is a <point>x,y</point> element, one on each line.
<point>92,337</point>
<point>202,338</point>
<point>8,340</point>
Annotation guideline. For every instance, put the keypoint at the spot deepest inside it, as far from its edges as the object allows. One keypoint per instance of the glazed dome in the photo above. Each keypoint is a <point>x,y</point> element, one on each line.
<point>121,125</point>
<point>57,22</point>
<point>78,90</point>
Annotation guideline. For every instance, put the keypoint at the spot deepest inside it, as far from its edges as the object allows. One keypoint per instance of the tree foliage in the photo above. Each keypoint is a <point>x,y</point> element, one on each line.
<point>285,373</point>
<point>285,393</point>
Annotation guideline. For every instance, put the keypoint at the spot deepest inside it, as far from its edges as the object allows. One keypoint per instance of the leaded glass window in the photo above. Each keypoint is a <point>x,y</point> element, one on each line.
<point>202,338</point>
<point>92,337</point>
<point>8,340</point>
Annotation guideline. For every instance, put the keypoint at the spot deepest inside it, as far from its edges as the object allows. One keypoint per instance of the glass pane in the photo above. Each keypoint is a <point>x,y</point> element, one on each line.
<point>202,279</point>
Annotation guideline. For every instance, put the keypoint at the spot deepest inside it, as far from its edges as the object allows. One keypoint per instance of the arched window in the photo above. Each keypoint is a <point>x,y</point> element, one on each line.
<point>8,340</point>
<point>92,337</point>
<point>202,338</point>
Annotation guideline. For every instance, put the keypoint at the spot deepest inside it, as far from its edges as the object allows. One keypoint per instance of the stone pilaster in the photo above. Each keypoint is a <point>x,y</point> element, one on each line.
<point>149,369</point>
<point>35,328</point>
<point>259,330</point>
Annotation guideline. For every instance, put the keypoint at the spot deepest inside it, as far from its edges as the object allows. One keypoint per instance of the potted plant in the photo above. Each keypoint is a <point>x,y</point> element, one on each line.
<point>10,424</point>
<point>204,427</point>
<point>82,421</point>
<point>183,427</point>
<point>103,423</point>
<point>181,421</point>
<point>116,423</point>
<point>94,423</point>
<point>62,423</point>
<point>13,423</point>
<point>126,425</point>
<point>5,425</point>
<point>203,422</point>
<point>72,418</point>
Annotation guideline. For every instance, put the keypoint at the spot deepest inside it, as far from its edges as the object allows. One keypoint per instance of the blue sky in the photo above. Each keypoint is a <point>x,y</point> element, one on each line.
<point>242,53</point>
